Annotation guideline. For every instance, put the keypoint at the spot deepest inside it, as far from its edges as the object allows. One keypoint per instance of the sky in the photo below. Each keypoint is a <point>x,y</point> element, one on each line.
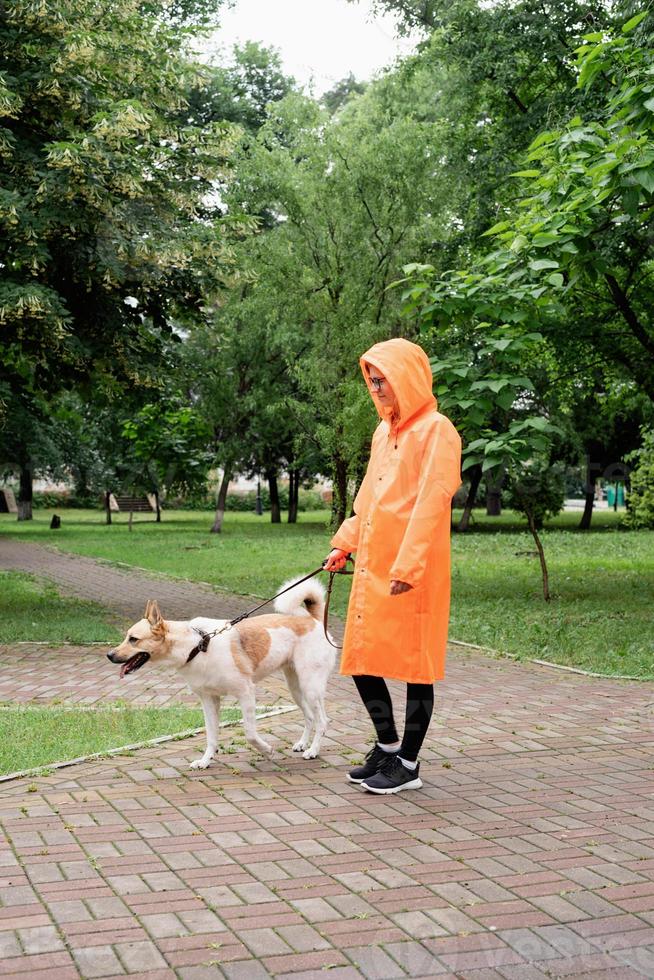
<point>320,41</point>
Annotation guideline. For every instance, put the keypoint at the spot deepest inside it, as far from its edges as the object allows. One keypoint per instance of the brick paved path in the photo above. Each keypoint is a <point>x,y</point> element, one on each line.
<point>528,854</point>
<point>37,674</point>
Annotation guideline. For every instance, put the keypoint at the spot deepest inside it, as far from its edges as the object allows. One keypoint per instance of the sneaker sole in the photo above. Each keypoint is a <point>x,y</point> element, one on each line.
<point>357,781</point>
<point>414,784</point>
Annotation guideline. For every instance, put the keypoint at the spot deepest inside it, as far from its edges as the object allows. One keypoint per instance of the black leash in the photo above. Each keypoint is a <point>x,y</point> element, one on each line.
<point>205,638</point>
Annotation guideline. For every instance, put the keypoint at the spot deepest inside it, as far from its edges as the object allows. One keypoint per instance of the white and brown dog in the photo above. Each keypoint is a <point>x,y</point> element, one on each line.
<point>292,639</point>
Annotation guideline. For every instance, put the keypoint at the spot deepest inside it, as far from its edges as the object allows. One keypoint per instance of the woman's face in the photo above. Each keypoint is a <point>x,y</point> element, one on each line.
<point>380,387</point>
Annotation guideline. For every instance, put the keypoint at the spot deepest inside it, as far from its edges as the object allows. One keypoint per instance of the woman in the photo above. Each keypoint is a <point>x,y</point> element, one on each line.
<point>399,606</point>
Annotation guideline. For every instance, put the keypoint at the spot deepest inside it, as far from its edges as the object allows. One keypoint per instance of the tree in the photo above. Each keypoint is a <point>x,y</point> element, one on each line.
<point>341,93</point>
<point>350,198</point>
<point>640,502</point>
<point>241,92</point>
<point>578,250</point>
<point>28,444</point>
<point>602,417</point>
<point>536,490</point>
<point>482,387</point>
<point>167,448</point>
<point>495,74</point>
<point>90,441</point>
<point>102,250</point>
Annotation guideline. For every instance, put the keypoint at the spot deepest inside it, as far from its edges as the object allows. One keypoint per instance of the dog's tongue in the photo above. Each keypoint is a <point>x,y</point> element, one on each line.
<point>129,664</point>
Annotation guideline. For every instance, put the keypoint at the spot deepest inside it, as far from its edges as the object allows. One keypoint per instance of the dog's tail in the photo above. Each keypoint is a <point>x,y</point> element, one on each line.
<point>307,597</point>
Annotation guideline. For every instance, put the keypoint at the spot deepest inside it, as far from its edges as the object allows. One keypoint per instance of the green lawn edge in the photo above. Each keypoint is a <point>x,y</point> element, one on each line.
<point>35,737</point>
<point>32,607</point>
<point>602,581</point>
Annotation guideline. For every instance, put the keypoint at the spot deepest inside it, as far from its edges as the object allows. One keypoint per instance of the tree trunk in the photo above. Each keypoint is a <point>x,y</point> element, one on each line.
<point>339,499</point>
<point>221,501</point>
<point>158,506</point>
<point>475,480</point>
<point>82,491</point>
<point>273,490</point>
<point>25,494</point>
<point>587,516</point>
<point>293,495</point>
<point>494,497</point>
<point>107,506</point>
<point>541,555</point>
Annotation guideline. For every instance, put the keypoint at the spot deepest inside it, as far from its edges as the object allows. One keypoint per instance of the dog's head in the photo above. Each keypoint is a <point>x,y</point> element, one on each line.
<point>145,640</point>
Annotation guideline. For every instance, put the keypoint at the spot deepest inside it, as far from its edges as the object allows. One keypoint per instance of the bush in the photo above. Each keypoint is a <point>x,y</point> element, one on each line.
<point>203,501</point>
<point>308,500</point>
<point>63,498</point>
<point>247,502</point>
<point>640,502</point>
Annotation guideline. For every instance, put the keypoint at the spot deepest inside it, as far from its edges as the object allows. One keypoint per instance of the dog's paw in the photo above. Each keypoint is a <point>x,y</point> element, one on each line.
<point>310,754</point>
<point>300,746</point>
<point>200,763</point>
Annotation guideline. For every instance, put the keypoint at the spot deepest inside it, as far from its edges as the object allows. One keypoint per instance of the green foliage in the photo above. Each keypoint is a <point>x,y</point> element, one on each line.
<point>309,500</point>
<point>341,93</point>
<point>30,437</point>
<point>241,92</point>
<point>484,390</point>
<point>167,445</point>
<point>491,75</point>
<point>62,498</point>
<point>640,502</point>
<point>107,242</point>
<point>245,503</point>
<point>536,489</point>
<point>350,196</point>
<point>582,233</point>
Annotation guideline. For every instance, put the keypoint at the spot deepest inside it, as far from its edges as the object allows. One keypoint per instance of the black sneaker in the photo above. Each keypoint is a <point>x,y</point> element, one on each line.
<point>393,777</point>
<point>373,761</point>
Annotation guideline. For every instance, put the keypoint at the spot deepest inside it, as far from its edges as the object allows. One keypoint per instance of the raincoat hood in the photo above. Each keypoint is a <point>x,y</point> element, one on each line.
<point>408,370</point>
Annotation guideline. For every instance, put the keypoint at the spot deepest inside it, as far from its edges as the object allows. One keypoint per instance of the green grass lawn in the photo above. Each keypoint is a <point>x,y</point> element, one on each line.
<point>38,736</point>
<point>600,617</point>
<point>32,608</point>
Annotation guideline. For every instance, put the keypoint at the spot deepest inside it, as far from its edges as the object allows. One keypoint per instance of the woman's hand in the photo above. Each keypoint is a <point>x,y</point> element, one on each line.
<point>398,587</point>
<point>335,560</point>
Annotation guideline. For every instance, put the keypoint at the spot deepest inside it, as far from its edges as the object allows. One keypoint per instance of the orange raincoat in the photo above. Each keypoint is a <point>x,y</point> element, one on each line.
<point>401,528</point>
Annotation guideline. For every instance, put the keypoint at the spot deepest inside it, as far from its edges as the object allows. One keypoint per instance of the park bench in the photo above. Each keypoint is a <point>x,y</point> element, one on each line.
<point>145,503</point>
<point>141,504</point>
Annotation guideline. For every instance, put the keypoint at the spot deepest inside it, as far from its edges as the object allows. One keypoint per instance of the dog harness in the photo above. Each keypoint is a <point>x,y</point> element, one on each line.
<point>205,638</point>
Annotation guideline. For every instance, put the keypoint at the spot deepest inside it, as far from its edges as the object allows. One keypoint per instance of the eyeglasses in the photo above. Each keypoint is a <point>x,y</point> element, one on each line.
<point>377,383</point>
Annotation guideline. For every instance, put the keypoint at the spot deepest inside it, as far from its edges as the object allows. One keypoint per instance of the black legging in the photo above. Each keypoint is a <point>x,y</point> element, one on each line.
<point>419,706</point>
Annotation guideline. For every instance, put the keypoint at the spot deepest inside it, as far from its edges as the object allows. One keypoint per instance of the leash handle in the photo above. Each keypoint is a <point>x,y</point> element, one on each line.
<point>325,618</point>
<point>339,571</point>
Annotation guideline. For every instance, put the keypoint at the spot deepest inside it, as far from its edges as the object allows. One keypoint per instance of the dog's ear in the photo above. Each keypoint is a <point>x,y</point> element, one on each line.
<point>152,612</point>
